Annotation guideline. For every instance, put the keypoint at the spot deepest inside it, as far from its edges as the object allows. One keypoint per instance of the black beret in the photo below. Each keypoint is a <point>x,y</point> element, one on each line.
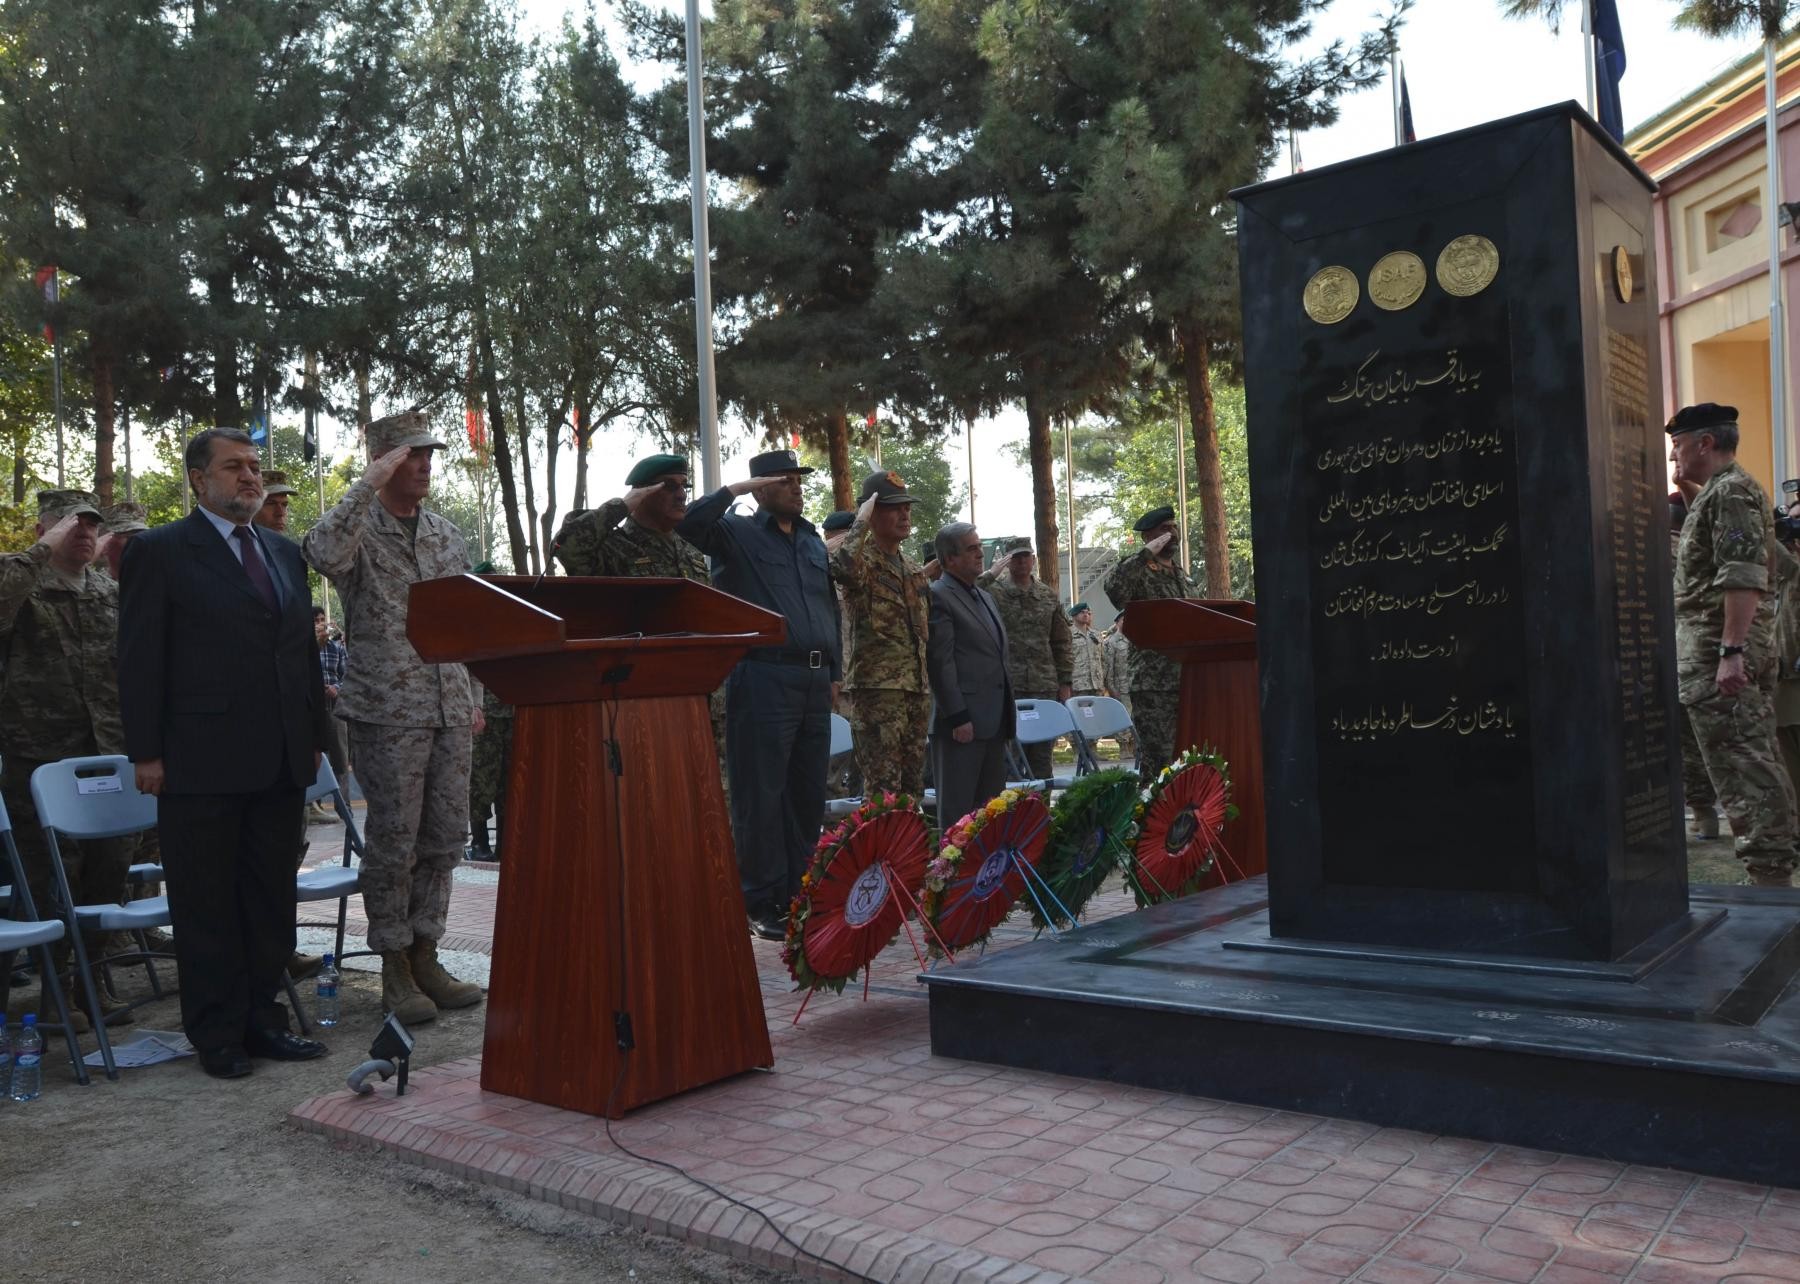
<point>648,470</point>
<point>842,520</point>
<point>1707,414</point>
<point>1154,518</point>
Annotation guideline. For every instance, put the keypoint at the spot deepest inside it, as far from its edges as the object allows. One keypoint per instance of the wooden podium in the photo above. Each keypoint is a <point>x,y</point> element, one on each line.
<point>619,893</point>
<point>1214,642</point>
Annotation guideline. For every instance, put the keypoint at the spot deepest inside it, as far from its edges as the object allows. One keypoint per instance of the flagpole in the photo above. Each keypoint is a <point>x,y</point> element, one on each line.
<point>1589,57</point>
<point>970,434</point>
<point>56,372</point>
<point>1069,492</point>
<point>1181,492</point>
<point>125,416</point>
<point>1394,74</point>
<point>710,468</point>
<point>187,491</point>
<point>1778,406</point>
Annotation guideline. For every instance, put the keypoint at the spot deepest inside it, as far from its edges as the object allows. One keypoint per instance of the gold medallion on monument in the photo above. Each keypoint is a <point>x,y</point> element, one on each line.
<point>1468,265</point>
<point>1331,295</point>
<point>1397,281</point>
<point>1621,258</point>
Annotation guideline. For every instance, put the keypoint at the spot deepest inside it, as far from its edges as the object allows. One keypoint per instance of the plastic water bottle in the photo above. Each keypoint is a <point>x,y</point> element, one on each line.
<point>28,1061</point>
<point>327,1014</point>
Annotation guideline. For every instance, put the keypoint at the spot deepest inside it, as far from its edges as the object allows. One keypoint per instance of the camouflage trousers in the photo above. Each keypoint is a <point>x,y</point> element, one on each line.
<point>489,760</point>
<point>1696,785</point>
<point>1736,735</point>
<point>95,868</point>
<point>889,729</point>
<point>417,782</point>
<point>1153,714</point>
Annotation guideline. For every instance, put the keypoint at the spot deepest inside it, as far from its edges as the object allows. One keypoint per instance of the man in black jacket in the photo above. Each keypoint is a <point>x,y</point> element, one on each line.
<point>225,720</point>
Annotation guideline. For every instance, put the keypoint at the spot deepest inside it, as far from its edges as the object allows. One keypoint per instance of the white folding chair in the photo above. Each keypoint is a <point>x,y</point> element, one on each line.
<point>21,929</point>
<point>333,882</point>
<point>1096,718</point>
<point>1039,722</point>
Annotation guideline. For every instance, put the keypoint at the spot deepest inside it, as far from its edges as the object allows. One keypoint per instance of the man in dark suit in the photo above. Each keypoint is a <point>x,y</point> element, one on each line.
<point>225,719</point>
<point>965,656</point>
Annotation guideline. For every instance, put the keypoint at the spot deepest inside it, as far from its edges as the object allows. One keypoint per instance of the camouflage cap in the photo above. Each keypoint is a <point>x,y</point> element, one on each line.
<point>405,429</point>
<point>54,505</point>
<point>275,482</point>
<point>1019,544</point>
<point>125,519</point>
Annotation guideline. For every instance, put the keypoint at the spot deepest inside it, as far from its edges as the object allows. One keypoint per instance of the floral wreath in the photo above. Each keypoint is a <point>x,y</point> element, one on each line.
<point>1092,828</point>
<point>1180,816</point>
<point>963,910</point>
<point>864,876</point>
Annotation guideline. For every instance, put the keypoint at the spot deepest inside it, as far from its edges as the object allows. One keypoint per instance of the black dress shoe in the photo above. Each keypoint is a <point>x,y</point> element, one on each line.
<point>225,1063</point>
<point>768,927</point>
<point>280,1045</point>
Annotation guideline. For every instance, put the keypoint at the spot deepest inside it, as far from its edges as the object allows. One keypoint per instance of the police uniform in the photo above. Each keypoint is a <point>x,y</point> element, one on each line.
<point>1155,679</point>
<point>411,724</point>
<point>1040,655</point>
<point>1728,542</point>
<point>887,610</point>
<point>59,698</point>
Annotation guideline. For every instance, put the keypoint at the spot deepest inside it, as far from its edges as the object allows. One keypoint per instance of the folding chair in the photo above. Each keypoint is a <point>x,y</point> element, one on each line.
<point>333,882</point>
<point>94,798</point>
<point>842,742</point>
<point>23,930</point>
<point>1039,722</point>
<point>1096,718</point>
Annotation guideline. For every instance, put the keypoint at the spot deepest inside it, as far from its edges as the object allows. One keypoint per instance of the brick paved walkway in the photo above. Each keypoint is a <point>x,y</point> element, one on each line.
<point>871,1152</point>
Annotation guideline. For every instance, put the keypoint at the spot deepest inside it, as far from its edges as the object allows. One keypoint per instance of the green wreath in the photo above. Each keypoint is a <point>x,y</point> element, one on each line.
<point>1091,831</point>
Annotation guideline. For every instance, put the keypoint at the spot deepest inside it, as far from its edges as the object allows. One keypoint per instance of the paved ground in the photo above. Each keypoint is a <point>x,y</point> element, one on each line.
<point>861,1145</point>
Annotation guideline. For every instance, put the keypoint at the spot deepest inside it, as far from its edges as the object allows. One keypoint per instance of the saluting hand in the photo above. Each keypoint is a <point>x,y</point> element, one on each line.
<point>933,570</point>
<point>635,497</point>
<point>866,508</point>
<point>754,485</point>
<point>1157,545</point>
<point>59,534</point>
<point>382,470</point>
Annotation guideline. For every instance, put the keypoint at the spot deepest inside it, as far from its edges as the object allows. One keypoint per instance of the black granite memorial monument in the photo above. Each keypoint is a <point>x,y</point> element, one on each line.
<point>1476,918</point>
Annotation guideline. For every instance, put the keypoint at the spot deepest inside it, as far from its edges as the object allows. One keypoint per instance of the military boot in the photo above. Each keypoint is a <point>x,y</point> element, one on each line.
<point>1771,878</point>
<point>442,988</point>
<point>1706,822</point>
<point>400,993</point>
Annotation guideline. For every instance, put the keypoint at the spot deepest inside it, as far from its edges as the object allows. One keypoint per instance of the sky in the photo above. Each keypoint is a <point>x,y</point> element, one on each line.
<point>1464,64</point>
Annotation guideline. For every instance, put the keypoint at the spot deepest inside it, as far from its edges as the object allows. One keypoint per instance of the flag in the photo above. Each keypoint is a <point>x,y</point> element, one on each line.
<point>309,444</point>
<point>1295,164</point>
<point>46,281</point>
<point>476,424</point>
<point>1609,67</point>
<point>870,421</point>
<point>259,422</point>
<point>1406,126</point>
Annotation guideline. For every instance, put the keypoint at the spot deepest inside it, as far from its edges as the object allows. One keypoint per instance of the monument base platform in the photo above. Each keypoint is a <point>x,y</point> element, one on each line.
<point>1689,1058</point>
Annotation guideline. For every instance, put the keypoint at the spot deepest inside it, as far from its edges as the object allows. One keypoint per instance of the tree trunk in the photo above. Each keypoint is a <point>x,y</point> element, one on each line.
<point>103,420</point>
<point>21,441</point>
<point>365,409</point>
<point>1043,482</point>
<point>531,530</point>
<point>228,407</point>
<point>837,443</point>
<point>552,447</point>
<point>584,438</point>
<point>1214,524</point>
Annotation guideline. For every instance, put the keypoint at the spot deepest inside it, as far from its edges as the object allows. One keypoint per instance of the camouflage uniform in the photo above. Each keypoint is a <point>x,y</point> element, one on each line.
<point>1040,655</point>
<point>1787,646</point>
<point>410,722</point>
<point>1089,671</point>
<point>1696,785</point>
<point>59,699</point>
<point>1728,542</point>
<point>609,541</point>
<point>489,763</point>
<point>1118,678</point>
<point>1155,679</point>
<point>886,609</point>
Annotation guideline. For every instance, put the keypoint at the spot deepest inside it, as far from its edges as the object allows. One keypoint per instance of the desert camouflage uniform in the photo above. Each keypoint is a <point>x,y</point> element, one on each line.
<point>1155,679</point>
<point>1728,542</point>
<point>608,541</point>
<point>410,722</point>
<point>1089,671</point>
<point>886,606</point>
<point>1118,679</point>
<point>59,699</point>
<point>1040,655</point>
<point>489,761</point>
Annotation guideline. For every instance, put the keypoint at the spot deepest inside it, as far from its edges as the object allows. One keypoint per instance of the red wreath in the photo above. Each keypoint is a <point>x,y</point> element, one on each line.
<point>1180,835</point>
<point>860,898</point>
<point>987,879</point>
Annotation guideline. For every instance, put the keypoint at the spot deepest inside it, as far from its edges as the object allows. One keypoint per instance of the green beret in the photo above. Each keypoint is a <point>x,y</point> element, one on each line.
<point>1077,609</point>
<point>1154,518</point>
<point>648,470</point>
<point>842,520</point>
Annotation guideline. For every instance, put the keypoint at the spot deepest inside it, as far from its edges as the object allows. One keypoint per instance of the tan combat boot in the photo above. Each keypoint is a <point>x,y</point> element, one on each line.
<point>400,993</point>
<point>442,988</point>
<point>1706,822</point>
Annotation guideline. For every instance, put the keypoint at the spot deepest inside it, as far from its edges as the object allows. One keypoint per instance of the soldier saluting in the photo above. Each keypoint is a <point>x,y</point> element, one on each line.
<point>1725,660</point>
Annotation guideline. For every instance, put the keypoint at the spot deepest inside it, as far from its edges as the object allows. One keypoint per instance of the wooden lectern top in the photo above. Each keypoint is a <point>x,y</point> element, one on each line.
<point>1185,628</point>
<point>561,640</point>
